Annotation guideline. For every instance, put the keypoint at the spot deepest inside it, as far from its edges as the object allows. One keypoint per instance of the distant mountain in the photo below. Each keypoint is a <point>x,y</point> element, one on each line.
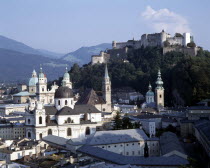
<point>50,53</point>
<point>10,44</point>
<point>83,54</point>
<point>17,66</point>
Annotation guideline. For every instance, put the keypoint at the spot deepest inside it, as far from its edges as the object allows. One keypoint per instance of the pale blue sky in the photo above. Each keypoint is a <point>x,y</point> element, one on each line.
<point>65,25</point>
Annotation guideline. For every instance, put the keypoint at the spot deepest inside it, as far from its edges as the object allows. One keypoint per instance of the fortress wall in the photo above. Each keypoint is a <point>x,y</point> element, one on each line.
<point>189,51</point>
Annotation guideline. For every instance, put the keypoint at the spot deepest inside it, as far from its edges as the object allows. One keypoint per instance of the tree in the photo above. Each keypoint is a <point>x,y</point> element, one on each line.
<point>126,123</point>
<point>191,45</point>
<point>117,121</point>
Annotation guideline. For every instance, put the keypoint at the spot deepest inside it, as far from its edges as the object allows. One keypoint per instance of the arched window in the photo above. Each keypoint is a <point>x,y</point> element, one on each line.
<point>49,132</point>
<point>59,102</point>
<point>29,121</point>
<point>48,119</point>
<point>69,120</point>
<point>29,134</point>
<point>69,132</point>
<point>87,132</point>
<point>40,136</point>
<point>66,102</point>
<point>160,96</point>
<point>42,89</point>
<point>40,120</point>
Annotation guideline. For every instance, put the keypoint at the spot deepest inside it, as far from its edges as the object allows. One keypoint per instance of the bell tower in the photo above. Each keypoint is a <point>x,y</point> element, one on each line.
<point>66,80</point>
<point>159,91</point>
<point>41,87</point>
<point>106,89</point>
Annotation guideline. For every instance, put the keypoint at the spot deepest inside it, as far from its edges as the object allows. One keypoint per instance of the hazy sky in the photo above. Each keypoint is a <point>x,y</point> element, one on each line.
<point>65,25</point>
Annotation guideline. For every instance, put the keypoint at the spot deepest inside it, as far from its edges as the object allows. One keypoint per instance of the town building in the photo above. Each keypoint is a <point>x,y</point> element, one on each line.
<point>6,109</point>
<point>130,142</point>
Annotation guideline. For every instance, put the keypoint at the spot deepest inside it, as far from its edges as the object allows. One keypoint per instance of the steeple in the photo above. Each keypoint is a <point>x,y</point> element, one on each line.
<point>41,74</point>
<point>106,72</point>
<point>159,81</point>
<point>150,87</point>
<point>159,91</point>
<point>66,79</point>
<point>150,95</point>
<point>34,74</point>
<point>106,89</point>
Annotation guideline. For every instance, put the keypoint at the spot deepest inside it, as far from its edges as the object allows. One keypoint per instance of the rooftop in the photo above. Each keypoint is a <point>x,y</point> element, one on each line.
<point>118,136</point>
<point>133,160</point>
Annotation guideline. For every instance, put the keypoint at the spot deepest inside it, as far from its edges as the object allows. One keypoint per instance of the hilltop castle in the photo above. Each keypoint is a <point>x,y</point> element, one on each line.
<point>177,43</point>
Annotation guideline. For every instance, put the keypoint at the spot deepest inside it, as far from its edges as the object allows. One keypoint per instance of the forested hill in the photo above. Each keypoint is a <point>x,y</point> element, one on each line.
<point>186,79</point>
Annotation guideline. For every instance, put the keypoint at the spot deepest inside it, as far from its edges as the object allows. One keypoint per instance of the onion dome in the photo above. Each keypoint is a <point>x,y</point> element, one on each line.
<point>66,74</point>
<point>150,92</point>
<point>159,81</point>
<point>63,92</point>
<point>41,74</point>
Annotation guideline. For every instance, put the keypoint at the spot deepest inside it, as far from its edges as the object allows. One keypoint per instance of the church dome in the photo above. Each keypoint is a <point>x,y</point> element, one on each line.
<point>150,93</point>
<point>63,92</point>
<point>66,76</point>
<point>33,81</point>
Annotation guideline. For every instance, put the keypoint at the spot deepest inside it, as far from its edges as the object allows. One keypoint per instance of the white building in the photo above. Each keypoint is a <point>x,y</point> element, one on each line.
<point>130,142</point>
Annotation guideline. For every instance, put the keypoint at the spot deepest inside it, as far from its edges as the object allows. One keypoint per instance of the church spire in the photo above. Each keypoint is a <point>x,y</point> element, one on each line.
<point>40,68</point>
<point>150,87</point>
<point>106,72</point>
<point>159,81</point>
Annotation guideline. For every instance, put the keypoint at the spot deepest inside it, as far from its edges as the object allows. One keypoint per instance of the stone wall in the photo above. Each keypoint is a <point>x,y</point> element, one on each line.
<point>185,50</point>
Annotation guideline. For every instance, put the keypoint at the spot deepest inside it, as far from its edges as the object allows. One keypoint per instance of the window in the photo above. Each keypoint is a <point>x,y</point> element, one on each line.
<point>160,96</point>
<point>42,89</point>
<point>127,153</point>
<point>133,152</point>
<point>69,120</point>
<point>40,120</point>
<point>108,146</point>
<point>49,132</point>
<point>127,144</point>
<point>29,121</point>
<point>102,146</point>
<point>40,136</point>
<point>69,132</point>
<point>87,132</point>
<point>139,152</point>
<point>115,146</point>
<point>48,119</point>
<point>66,102</point>
<point>59,102</point>
<point>29,135</point>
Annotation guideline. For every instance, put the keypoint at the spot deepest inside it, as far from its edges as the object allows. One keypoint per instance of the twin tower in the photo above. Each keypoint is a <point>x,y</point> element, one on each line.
<point>158,97</point>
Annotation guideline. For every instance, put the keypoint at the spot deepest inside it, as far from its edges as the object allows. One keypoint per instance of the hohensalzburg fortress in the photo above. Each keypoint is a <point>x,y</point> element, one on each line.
<point>156,39</point>
<point>179,42</point>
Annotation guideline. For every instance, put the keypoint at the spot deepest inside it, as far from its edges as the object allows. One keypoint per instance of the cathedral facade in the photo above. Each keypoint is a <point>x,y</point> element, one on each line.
<point>57,111</point>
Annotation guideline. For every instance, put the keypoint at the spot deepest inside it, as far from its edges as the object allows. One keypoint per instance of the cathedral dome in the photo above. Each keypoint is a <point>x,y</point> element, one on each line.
<point>33,81</point>
<point>63,92</point>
